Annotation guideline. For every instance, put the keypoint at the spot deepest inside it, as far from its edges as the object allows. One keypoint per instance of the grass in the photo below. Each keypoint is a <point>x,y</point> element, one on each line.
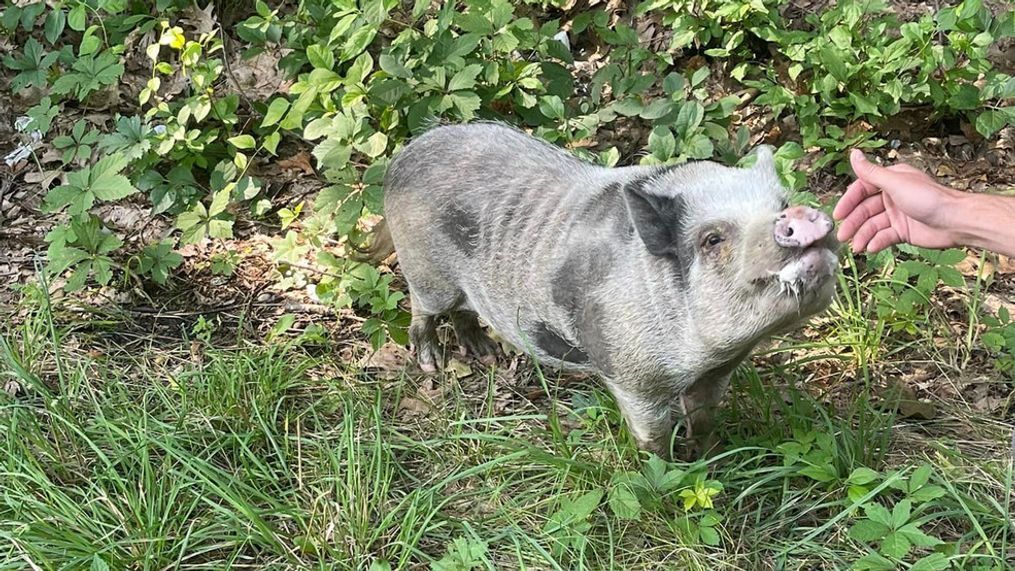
<point>128,455</point>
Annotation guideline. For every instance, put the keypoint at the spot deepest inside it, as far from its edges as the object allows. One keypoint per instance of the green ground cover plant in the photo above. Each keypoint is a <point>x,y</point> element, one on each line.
<point>144,429</point>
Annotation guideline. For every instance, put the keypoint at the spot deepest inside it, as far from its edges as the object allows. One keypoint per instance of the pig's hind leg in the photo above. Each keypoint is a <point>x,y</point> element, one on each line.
<point>471,336</point>
<point>427,306</point>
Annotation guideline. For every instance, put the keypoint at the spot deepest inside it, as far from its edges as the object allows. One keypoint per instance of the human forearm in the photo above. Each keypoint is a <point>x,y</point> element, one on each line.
<point>984,221</point>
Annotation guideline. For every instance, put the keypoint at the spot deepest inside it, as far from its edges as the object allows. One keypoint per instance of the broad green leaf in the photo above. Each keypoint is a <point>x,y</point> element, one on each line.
<point>393,66</point>
<point>709,536</point>
<point>275,111</point>
<point>868,531</point>
<point>918,538</point>
<point>832,60</point>
<point>862,476</point>
<point>874,562</point>
<point>467,103</point>
<point>552,107</point>
<point>242,142</point>
<point>699,76</point>
<point>689,117</point>
<point>375,145</point>
<point>623,502</point>
<point>465,78</point>
<point>993,120</point>
<point>878,513</point>
<point>358,42</point>
<point>932,562</point>
<point>76,18</point>
<point>656,109</point>
<point>698,147</point>
<point>895,545</point>
<point>661,143</point>
<point>931,492</point>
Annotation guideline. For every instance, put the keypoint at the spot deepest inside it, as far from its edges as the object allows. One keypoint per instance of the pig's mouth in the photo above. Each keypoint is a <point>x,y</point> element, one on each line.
<point>805,274</point>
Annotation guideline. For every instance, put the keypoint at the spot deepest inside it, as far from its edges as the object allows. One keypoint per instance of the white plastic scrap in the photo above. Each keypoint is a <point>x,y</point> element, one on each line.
<point>24,150</point>
<point>561,37</point>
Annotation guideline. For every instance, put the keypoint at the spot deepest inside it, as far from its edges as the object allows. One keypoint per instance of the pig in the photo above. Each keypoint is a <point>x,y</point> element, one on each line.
<point>658,279</point>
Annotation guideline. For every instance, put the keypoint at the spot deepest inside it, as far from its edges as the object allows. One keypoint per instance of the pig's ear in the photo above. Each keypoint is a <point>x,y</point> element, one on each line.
<point>658,219</point>
<point>765,162</point>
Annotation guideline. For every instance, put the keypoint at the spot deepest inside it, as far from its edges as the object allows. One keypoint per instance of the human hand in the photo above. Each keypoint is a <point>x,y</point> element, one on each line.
<point>890,205</point>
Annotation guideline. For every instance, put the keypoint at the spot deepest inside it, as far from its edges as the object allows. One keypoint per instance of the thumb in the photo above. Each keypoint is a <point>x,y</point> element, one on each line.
<point>871,173</point>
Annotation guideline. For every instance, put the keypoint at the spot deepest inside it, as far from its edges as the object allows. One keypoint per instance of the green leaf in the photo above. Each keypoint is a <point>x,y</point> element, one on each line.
<point>467,103</point>
<point>690,116</point>
<point>699,76</point>
<point>375,145</point>
<point>864,104</point>
<point>832,61</point>
<point>993,120</point>
<point>76,18</point>
<point>357,42</point>
<point>819,473</point>
<point>966,97</point>
<point>56,19</point>
<point>951,256</point>
<point>874,562</point>
<point>698,147</point>
<point>932,562</point>
<point>624,502</point>
<point>709,536</point>
<point>661,143</point>
<point>928,493</point>
<point>242,142</point>
<point>918,538</point>
<point>895,545</point>
<point>391,65</point>
<point>878,513</point>
<point>159,260</point>
<point>867,531</point>
<point>584,505</point>
<point>465,78</point>
<point>389,91</point>
<point>375,12</point>
<point>862,476</point>
<point>275,111</point>
<point>552,107</point>
<point>657,109</point>
<point>951,277</point>
<point>98,564</point>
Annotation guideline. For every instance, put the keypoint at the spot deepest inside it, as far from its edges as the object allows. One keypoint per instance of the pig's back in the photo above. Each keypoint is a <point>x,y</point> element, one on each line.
<point>497,212</point>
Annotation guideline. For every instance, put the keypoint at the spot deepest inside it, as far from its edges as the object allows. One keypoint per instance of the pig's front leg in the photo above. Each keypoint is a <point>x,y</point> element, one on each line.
<point>698,405</point>
<point>649,418</point>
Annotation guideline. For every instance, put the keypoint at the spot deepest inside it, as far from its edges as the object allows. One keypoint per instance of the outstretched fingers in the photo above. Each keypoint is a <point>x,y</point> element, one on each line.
<point>863,212</point>
<point>857,192</point>
<point>869,229</point>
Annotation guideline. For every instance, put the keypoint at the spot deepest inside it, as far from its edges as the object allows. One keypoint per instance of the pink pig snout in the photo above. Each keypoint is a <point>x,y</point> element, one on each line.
<point>800,226</point>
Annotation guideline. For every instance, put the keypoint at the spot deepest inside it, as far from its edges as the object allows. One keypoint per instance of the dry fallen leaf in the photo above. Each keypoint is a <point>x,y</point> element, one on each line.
<point>970,267</point>
<point>1005,265</point>
<point>300,161</point>
<point>414,406</point>
<point>458,369</point>
<point>44,178</point>
<point>388,362</point>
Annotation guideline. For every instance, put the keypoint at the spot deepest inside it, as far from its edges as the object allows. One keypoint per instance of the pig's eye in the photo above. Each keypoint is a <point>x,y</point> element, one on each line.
<point>713,239</point>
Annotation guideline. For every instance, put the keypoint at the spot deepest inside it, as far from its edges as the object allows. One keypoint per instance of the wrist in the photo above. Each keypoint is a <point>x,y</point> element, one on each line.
<point>984,221</point>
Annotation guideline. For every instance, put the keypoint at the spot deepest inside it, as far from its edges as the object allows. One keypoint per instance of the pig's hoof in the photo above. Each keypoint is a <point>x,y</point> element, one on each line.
<point>427,361</point>
<point>480,346</point>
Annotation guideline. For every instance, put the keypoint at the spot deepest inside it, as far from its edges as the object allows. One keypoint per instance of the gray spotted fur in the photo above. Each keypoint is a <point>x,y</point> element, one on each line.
<point>594,269</point>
